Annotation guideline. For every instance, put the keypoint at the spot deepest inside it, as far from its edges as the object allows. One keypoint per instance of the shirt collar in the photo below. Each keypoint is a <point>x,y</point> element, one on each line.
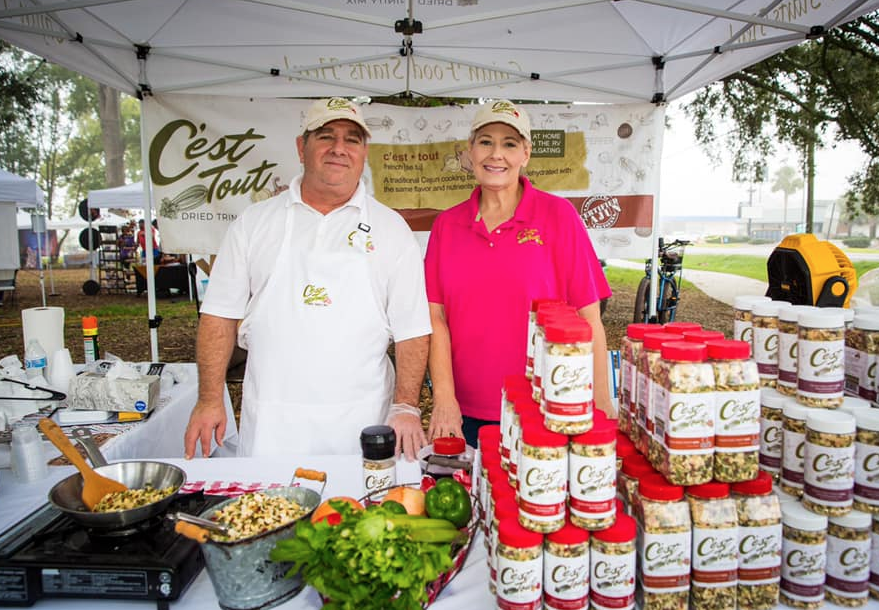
<point>524,210</point>
<point>358,199</point>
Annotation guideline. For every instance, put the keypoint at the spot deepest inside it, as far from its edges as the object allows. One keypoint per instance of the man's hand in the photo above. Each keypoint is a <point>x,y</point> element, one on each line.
<point>406,422</point>
<point>206,420</point>
<point>445,420</point>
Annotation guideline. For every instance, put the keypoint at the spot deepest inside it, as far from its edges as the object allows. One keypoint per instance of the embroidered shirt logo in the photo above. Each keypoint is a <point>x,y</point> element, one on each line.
<point>315,295</point>
<point>526,235</point>
<point>358,236</point>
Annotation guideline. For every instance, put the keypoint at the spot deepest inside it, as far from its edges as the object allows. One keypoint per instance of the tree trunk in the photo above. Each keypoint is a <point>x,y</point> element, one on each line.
<point>111,135</point>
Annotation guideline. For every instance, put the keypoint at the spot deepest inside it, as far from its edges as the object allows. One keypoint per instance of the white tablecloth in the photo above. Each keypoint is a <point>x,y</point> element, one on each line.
<point>469,589</point>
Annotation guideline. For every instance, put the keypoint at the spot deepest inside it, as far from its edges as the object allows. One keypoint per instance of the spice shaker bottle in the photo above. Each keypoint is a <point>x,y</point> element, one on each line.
<point>760,532</point>
<point>848,559</point>
<point>90,339</point>
<point>378,444</point>
<point>803,557</point>
<point>612,558</point>
<point>566,569</point>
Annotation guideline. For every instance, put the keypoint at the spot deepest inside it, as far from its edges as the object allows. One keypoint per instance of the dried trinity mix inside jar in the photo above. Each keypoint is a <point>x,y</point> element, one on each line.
<point>803,550</point>
<point>861,357</point>
<point>567,400</point>
<point>764,338</point>
<point>543,477</point>
<point>519,567</point>
<point>630,351</point>
<point>612,566</point>
<point>771,417</point>
<point>788,330</point>
<point>592,477</point>
<point>759,561</point>
<point>742,317</point>
<point>566,569</point>
<point>848,560</point>
<point>866,494</point>
<point>715,547</point>
<point>829,460</point>
<point>794,440</point>
<point>820,359</point>
<point>648,362</point>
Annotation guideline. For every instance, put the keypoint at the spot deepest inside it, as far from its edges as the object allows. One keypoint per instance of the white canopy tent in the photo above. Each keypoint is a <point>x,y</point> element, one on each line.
<point>599,51</point>
<point>128,196</point>
<point>17,192</point>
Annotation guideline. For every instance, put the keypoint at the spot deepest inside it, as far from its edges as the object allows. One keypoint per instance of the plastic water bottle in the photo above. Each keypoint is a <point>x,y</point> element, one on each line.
<point>35,361</point>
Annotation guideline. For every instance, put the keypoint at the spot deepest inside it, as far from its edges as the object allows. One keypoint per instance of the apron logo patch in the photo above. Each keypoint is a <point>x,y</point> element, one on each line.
<point>315,295</point>
<point>358,236</point>
<point>526,235</point>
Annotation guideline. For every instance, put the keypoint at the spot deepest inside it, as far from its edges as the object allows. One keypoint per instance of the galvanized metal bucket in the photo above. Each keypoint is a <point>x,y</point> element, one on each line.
<point>243,576</point>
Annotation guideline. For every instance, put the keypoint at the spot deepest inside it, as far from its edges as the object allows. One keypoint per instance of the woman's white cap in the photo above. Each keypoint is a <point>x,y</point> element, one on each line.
<point>502,111</point>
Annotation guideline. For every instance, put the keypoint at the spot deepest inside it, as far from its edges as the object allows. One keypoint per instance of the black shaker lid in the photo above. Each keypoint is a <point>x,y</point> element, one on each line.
<point>378,442</point>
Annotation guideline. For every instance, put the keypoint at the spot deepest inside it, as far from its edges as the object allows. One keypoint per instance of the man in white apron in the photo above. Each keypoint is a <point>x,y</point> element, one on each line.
<point>321,278</point>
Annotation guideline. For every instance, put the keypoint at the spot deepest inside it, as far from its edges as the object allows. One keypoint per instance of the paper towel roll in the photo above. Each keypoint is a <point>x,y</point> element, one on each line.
<point>46,325</point>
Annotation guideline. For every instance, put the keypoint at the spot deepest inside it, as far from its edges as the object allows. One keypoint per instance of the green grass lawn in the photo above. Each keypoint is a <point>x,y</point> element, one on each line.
<point>747,265</point>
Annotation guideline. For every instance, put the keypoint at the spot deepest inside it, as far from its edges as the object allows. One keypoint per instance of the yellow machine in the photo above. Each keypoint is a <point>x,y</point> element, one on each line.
<point>805,271</point>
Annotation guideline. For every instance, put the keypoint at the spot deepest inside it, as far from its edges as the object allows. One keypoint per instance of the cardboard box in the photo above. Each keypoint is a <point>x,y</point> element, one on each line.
<point>92,390</point>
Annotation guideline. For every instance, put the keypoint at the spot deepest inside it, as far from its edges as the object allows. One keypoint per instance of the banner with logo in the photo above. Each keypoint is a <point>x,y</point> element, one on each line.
<point>211,157</point>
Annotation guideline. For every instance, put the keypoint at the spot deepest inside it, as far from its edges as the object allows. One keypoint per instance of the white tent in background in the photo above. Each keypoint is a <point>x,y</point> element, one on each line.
<point>128,196</point>
<point>24,192</point>
<point>16,193</point>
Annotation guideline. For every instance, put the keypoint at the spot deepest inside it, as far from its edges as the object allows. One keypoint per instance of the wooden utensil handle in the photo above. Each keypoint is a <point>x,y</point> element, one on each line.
<point>191,531</point>
<point>55,434</point>
<point>314,475</point>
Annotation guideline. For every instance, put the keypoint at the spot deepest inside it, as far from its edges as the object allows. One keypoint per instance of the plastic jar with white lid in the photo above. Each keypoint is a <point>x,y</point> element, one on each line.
<point>742,306</point>
<point>715,546</point>
<point>862,357</point>
<point>759,562</point>
<point>848,560</point>
<point>543,477</point>
<point>793,428</point>
<point>592,477</point>
<point>764,338</point>
<point>664,545</point>
<point>829,462</point>
<point>853,404</point>
<point>630,350</point>
<point>848,314</point>
<point>803,557</point>
<point>532,329</point>
<point>519,567</point>
<point>874,558</point>
<point>737,411</point>
<point>771,416</point>
<point>613,557</point>
<point>567,400</point>
<point>566,569</point>
<point>684,402</point>
<point>788,332</point>
<point>648,362</point>
<point>866,493</point>
<point>821,359</point>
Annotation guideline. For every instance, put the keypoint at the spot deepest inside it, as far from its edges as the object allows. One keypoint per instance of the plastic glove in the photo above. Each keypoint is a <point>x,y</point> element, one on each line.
<point>406,422</point>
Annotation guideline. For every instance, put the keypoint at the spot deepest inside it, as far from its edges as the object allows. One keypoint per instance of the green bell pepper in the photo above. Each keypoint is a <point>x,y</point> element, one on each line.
<point>449,500</point>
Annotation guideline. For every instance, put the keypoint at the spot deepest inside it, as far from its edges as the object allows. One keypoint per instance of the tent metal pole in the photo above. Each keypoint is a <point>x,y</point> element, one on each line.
<point>733,16</point>
<point>148,242</point>
<point>40,267</point>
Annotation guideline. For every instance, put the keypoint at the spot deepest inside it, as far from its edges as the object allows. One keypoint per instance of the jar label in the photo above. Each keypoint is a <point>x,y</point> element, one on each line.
<point>519,583</point>
<point>829,473</point>
<point>787,358</point>
<point>644,397</point>
<point>529,350</point>
<point>737,422</point>
<point>802,571</point>
<point>848,565</point>
<point>542,482</point>
<point>820,369</point>
<point>665,561</point>
<point>612,580</point>
<point>378,478</point>
<point>688,421</point>
<point>867,379</point>
<point>565,581</point>
<point>792,456</point>
<point>742,330</point>
<point>867,473</point>
<point>760,554</point>
<point>771,436</point>
<point>715,555</point>
<point>592,480</point>
<point>854,368</point>
<point>765,341</point>
<point>874,558</point>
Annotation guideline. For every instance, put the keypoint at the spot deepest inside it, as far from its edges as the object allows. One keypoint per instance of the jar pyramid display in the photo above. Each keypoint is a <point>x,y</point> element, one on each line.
<point>738,473</point>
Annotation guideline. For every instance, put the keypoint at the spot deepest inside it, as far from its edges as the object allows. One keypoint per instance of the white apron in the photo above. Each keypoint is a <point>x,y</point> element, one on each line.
<point>317,365</point>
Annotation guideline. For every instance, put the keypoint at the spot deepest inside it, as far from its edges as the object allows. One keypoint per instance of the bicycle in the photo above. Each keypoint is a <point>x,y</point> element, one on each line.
<point>671,268</point>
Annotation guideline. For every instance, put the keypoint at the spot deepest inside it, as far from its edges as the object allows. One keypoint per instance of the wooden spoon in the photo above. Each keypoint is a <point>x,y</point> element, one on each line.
<point>94,486</point>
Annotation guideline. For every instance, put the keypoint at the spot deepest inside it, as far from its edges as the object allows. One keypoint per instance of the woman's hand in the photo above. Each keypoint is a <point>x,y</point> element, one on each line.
<point>445,420</point>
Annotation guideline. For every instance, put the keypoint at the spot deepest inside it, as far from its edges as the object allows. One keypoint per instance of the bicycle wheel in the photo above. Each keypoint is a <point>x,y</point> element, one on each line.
<point>668,301</point>
<point>641,300</point>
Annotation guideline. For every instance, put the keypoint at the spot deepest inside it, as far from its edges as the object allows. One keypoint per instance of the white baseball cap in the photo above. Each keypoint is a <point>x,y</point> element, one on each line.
<point>323,111</point>
<point>502,111</point>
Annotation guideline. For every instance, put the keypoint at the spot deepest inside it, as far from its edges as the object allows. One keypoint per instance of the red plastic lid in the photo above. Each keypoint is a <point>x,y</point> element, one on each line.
<point>568,330</point>
<point>683,351</point>
<point>489,435</point>
<point>449,445</point>
<point>525,404</point>
<point>623,529</point>
<point>637,466</point>
<point>729,349</point>
<point>601,434</point>
<point>599,417</point>
<point>491,458</point>
<point>515,382</point>
<point>535,434</point>
<point>548,311</point>
<point>510,533</point>
<point>625,447</point>
<point>536,303</point>
<point>657,488</point>
<point>680,328</point>
<point>518,393</point>
<point>703,336</point>
<point>655,340</point>
<point>89,322</point>
<point>497,477</point>
<point>637,330</point>
<point>760,486</point>
<point>505,506</point>
<point>569,534</point>
<point>709,491</point>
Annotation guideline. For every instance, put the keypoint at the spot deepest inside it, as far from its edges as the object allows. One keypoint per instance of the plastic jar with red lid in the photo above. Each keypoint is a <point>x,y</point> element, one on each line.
<point>545,313</point>
<point>525,408</point>
<point>679,328</point>
<point>566,569</point>
<point>567,400</point>
<point>633,469</point>
<point>543,477</point>
<point>613,557</point>
<point>664,546</point>
<point>592,481</point>
<point>514,386</point>
<point>648,363</point>
<point>715,546</point>
<point>519,567</point>
<point>630,350</point>
<point>760,533</point>
<point>702,336</point>
<point>532,329</point>
<point>505,509</point>
<point>684,397</point>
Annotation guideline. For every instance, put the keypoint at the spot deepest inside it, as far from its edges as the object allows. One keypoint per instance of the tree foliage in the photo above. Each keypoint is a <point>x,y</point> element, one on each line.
<point>811,95</point>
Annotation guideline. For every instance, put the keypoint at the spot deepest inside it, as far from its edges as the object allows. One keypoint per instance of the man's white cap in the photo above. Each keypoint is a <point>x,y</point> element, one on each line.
<point>503,111</point>
<point>323,111</point>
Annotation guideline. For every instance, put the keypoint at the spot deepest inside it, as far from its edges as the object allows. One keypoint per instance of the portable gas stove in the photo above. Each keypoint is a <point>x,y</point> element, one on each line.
<point>47,554</point>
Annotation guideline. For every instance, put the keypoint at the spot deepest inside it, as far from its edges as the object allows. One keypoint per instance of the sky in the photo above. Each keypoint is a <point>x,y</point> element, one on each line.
<point>688,180</point>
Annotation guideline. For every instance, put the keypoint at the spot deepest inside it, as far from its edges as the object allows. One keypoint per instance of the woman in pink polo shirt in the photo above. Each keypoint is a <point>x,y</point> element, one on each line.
<point>487,259</point>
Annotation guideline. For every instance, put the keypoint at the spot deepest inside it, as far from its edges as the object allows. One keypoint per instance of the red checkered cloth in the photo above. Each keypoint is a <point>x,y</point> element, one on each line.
<point>231,489</point>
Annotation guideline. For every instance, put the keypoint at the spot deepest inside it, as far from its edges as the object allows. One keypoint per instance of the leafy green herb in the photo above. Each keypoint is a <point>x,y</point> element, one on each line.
<point>371,560</point>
